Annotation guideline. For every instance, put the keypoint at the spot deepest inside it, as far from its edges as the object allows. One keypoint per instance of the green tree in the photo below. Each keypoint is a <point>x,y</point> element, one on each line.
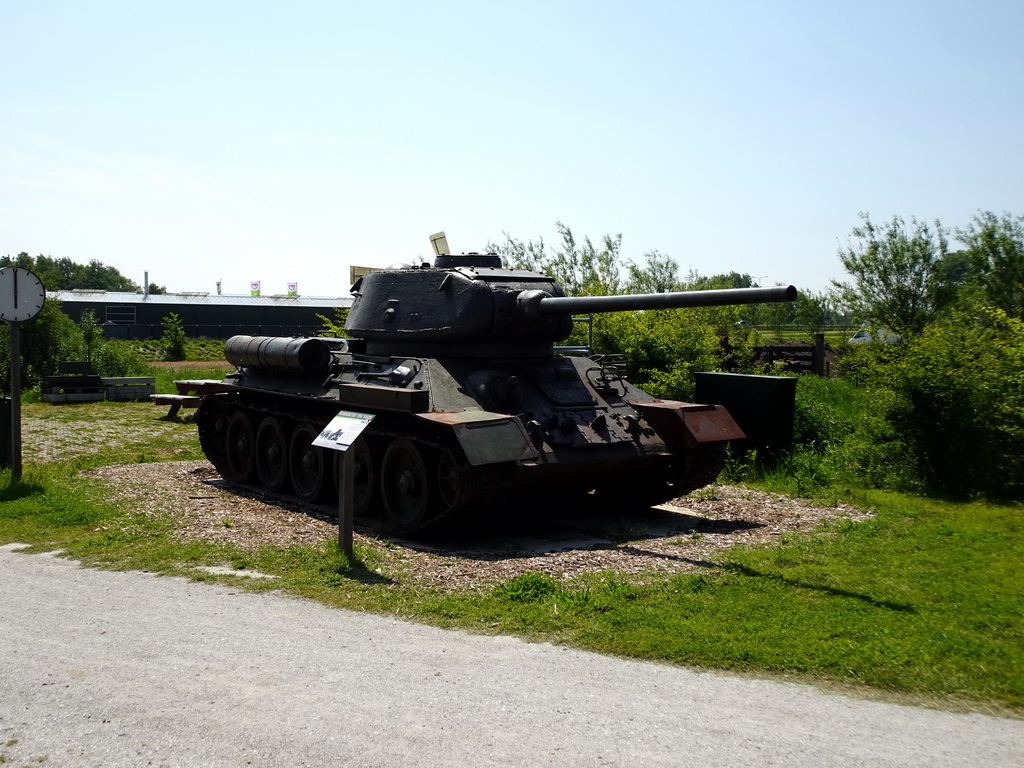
<point>697,282</point>
<point>958,403</point>
<point>812,310</point>
<point>585,268</point>
<point>174,337</point>
<point>519,254</point>
<point>65,275</point>
<point>661,347</point>
<point>658,273</point>
<point>99,276</point>
<point>580,268</point>
<point>46,339</point>
<point>334,326</point>
<point>995,253</point>
<point>92,333</point>
<point>897,276</point>
<point>775,315</point>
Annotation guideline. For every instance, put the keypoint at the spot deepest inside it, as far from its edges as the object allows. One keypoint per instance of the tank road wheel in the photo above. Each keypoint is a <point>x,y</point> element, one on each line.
<point>450,482</point>
<point>365,484</point>
<point>212,425</point>
<point>240,447</point>
<point>271,455</point>
<point>405,486</point>
<point>308,466</point>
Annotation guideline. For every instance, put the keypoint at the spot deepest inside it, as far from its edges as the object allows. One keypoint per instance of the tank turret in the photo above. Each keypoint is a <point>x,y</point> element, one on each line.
<point>473,406</point>
<point>470,306</point>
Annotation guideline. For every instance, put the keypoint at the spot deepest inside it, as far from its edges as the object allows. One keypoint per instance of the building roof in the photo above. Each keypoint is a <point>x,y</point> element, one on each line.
<point>200,299</point>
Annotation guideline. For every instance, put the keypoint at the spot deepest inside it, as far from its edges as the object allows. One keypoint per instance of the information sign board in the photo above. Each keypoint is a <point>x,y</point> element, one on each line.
<point>343,430</point>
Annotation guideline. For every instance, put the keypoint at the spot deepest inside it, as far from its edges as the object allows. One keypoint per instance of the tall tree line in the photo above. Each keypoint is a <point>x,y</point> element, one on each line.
<point>63,274</point>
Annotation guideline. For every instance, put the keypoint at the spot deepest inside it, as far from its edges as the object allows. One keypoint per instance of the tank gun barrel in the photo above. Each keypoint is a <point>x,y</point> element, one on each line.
<point>538,304</point>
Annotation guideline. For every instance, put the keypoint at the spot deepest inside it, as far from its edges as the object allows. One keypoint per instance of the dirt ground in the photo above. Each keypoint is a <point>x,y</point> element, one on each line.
<point>688,534</point>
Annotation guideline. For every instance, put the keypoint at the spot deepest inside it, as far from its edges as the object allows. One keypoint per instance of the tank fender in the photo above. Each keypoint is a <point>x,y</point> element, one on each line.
<point>486,438</point>
<point>684,426</point>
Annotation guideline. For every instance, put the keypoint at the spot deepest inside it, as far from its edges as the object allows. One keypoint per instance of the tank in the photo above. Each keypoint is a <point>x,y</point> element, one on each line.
<point>473,406</point>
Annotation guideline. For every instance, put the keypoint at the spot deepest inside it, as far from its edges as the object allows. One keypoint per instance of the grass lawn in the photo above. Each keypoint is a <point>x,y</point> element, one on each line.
<point>926,599</point>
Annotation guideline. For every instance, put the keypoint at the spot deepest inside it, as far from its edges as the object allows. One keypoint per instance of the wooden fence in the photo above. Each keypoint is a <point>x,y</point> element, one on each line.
<point>813,358</point>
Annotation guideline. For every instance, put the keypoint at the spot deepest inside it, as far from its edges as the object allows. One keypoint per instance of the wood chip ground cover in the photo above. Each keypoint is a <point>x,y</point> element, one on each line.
<point>563,541</point>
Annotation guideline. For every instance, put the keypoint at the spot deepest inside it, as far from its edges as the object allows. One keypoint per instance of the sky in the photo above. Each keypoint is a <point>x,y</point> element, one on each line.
<point>285,142</point>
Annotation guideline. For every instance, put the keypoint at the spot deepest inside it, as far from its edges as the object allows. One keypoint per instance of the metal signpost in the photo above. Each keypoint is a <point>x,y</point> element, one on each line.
<point>339,435</point>
<point>21,297</point>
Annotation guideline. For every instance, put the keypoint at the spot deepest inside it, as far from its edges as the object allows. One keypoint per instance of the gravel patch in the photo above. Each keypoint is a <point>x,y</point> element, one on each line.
<point>688,534</point>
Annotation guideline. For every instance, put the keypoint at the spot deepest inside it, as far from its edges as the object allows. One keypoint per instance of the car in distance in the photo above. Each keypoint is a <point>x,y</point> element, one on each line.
<point>865,335</point>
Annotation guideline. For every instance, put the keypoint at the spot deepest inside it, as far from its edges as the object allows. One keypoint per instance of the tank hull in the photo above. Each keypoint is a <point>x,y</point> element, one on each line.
<point>452,435</point>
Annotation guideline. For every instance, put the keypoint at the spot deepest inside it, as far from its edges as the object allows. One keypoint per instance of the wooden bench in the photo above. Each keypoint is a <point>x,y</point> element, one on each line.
<point>177,402</point>
<point>74,383</point>
<point>124,388</point>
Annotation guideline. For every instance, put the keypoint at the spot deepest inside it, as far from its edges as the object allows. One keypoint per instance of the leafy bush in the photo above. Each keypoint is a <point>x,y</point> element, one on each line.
<point>827,411</point>
<point>802,471</point>
<point>46,339</point>
<point>842,436</point>
<point>92,333</point>
<point>335,326</point>
<point>118,359</point>
<point>174,337</point>
<point>662,348</point>
<point>941,413</point>
<point>958,403</point>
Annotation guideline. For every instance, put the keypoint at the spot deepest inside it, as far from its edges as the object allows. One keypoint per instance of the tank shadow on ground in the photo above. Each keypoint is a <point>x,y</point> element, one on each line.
<point>523,530</point>
<point>545,528</point>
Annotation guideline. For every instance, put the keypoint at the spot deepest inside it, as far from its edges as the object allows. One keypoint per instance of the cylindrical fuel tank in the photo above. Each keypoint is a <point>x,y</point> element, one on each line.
<point>279,354</point>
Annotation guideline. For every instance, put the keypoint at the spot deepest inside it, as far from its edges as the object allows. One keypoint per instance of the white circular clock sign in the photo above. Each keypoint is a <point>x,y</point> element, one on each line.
<point>21,294</point>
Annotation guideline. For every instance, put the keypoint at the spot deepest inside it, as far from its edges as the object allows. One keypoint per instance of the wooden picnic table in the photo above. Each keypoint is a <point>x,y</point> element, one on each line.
<point>190,392</point>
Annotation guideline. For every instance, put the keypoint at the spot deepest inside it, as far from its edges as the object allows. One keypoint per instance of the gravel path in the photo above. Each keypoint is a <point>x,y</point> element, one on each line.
<point>127,669</point>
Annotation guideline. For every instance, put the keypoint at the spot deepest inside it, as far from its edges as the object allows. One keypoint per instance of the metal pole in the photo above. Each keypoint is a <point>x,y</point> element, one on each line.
<point>15,336</point>
<point>346,501</point>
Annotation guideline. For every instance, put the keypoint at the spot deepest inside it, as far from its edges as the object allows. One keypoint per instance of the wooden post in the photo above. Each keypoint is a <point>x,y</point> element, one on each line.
<point>818,356</point>
<point>346,501</point>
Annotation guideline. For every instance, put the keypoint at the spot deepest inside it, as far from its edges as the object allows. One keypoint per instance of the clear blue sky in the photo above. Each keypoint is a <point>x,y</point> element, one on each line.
<point>286,141</point>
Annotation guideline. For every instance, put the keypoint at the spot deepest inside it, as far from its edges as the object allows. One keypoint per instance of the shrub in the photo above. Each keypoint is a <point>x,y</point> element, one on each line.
<point>960,404</point>
<point>119,359</point>
<point>174,337</point>
<point>827,411</point>
<point>46,339</point>
<point>842,435</point>
<point>662,348</point>
<point>92,333</point>
<point>334,326</point>
<point>948,415</point>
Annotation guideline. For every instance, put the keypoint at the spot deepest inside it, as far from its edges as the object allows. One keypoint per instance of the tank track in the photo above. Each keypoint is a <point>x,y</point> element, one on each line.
<point>475,487</point>
<point>702,467</point>
<point>469,488</point>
